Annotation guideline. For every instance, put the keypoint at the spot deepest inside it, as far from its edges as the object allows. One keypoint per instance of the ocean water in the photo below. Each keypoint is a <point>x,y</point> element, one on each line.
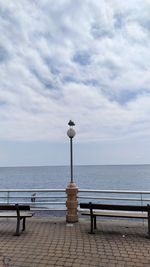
<point>121,177</point>
<point>112,177</point>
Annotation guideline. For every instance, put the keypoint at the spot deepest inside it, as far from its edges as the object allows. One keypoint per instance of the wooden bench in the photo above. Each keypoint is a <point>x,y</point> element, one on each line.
<point>20,212</point>
<point>111,210</point>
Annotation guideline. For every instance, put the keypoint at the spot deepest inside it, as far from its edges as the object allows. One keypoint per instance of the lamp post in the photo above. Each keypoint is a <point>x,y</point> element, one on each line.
<point>71,133</point>
<point>71,190</point>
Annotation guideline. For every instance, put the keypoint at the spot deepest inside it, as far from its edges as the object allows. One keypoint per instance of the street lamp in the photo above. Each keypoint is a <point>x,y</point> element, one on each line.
<point>71,133</point>
<point>71,190</point>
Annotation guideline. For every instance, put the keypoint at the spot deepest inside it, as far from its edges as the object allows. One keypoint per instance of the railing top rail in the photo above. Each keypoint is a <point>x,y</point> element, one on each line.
<point>80,190</point>
<point>32,190</point>
<point>113,191</point>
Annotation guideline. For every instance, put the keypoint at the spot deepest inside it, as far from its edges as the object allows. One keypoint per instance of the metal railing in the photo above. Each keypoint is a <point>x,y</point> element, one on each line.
<point>113,196</point>
<point>38,199</point>
<point>55,199</point>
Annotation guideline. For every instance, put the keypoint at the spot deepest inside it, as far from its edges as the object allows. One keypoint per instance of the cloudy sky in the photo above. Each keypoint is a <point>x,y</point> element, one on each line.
<point>88,61</point>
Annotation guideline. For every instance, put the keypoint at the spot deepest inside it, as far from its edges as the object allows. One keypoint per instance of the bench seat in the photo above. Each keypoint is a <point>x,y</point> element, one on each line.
<point>142,215</point>
<point>13,214</point>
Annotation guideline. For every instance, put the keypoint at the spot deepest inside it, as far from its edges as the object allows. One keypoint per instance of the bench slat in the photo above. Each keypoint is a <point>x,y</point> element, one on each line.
<point>14,214</point>
<point>113,207</point>
<point>13,207</point>
<point>117,214</point>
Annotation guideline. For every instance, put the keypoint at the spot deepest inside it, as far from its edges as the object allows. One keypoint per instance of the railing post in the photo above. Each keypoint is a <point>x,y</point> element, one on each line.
<point>72,203</point>
<point>141,200</point>
<point>8,197</point>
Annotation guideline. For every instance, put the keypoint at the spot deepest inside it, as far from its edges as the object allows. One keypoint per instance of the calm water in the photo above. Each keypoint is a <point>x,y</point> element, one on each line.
<point>127,177</point>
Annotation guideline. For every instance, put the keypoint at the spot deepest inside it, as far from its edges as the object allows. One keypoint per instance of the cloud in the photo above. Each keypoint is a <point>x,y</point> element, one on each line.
<point>87,61</point>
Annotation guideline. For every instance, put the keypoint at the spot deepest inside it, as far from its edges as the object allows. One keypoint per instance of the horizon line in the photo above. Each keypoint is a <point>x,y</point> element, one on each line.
<point>75,165</point>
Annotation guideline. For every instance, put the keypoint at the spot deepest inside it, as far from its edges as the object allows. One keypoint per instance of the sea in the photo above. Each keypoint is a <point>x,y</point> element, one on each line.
<point>107,177</point>
<point>100,177</point>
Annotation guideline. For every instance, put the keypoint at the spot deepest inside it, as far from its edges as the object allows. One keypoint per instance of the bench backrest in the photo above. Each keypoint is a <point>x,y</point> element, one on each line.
<point>114,207</point>
<point>14,207</point>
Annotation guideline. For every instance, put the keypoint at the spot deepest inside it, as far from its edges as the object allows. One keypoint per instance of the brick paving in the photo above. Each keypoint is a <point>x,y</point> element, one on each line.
<point>51,242</point>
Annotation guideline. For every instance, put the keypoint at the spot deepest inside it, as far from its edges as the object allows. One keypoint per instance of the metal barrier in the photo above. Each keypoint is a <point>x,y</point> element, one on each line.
<point>55,199</point>
<point>38,199</point>
<point>113,196</point>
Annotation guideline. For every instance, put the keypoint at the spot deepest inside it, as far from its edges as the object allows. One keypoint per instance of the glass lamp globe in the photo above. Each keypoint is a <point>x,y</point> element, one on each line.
<point>71,133</point>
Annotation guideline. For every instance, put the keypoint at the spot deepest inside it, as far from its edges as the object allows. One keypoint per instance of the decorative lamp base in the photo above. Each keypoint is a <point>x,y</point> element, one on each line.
<point>72,203</point>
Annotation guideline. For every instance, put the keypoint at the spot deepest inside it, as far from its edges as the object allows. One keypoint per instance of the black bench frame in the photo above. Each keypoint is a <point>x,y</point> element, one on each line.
<point>99,207</point>
<point>21,212</point>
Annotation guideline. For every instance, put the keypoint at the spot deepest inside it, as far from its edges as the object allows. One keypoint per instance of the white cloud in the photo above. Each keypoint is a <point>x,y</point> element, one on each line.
<point>87,61</point>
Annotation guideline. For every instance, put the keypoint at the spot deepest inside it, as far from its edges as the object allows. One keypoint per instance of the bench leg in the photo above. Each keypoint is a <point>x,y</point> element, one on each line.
<point>18,227</point>
<point>91,232</point>
<point>95,222</point>
<point>148,224</point>
<point>24,224</point>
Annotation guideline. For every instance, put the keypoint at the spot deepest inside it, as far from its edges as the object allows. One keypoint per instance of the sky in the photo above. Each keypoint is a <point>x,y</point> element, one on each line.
<point>88,61</point>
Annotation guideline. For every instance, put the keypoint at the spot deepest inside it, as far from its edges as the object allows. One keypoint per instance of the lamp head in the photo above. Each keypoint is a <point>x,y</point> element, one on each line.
<point>71,132</point>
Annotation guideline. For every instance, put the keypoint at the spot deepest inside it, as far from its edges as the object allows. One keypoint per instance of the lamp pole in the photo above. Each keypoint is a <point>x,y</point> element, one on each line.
<point>71,133</point>
<point>71,161</point>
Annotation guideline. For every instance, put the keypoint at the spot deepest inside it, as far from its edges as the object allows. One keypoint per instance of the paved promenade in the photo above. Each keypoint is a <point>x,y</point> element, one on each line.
<point>51,242</point>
